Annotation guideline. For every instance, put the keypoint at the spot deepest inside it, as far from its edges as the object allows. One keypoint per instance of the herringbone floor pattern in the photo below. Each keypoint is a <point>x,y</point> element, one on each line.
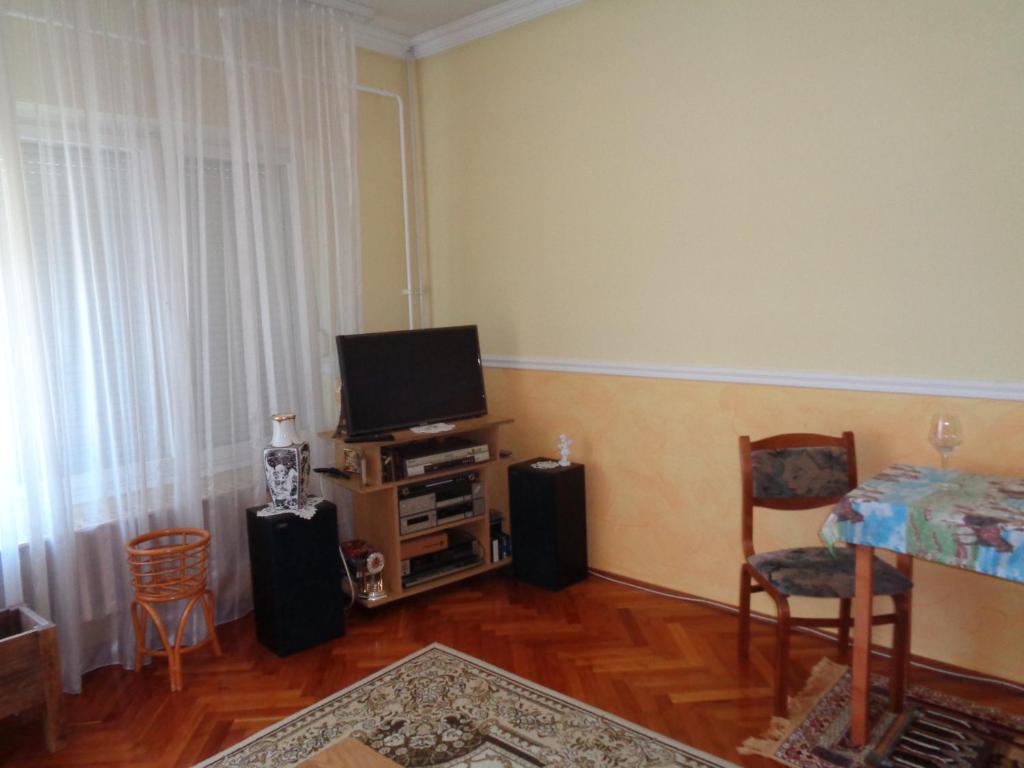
<point>665,664</point>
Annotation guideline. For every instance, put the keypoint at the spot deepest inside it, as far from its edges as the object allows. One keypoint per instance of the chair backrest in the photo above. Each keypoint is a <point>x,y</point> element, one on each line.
<point>169,564</point>
<point>794,471</point>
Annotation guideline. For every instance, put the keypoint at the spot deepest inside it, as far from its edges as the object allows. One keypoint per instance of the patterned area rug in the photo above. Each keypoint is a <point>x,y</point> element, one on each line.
<point>935,731</point>
<point>439,707</point>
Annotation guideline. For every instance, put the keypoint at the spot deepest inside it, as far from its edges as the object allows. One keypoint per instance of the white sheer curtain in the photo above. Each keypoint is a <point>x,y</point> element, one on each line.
<point>178,249</point>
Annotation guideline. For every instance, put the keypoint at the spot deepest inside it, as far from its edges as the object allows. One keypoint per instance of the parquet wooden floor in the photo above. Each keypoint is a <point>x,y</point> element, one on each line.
<point>662,663</point>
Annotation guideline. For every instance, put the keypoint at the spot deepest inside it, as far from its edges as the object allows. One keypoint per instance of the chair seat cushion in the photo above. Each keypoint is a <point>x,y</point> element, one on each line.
<point>818,572</point>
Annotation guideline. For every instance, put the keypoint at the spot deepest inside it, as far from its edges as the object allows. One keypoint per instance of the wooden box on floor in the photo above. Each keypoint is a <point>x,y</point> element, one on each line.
<point>30,670</point>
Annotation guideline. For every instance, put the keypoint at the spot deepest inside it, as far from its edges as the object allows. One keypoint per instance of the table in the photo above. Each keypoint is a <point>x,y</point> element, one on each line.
<point>974,522</point>
<point>348,753</point>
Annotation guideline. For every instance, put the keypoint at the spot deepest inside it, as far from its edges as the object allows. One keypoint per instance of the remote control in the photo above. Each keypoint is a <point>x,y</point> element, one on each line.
<point>333,472</point>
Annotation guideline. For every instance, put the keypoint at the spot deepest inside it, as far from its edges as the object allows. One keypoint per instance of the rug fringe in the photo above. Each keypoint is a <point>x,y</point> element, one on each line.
<point>767,742</point>
<point>826,673</point>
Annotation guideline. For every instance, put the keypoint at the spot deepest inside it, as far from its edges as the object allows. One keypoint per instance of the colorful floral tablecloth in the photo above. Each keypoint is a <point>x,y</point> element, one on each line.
<point>968,521</point>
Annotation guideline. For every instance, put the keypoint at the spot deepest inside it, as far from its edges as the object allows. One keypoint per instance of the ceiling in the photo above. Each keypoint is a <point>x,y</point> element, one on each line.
<point>412,17</point>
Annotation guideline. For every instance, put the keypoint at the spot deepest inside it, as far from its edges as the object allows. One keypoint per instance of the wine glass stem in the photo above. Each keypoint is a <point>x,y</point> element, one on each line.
<point>945,459</point>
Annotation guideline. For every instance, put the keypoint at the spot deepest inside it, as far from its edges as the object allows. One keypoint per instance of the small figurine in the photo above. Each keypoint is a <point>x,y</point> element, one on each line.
<point>563,448</point>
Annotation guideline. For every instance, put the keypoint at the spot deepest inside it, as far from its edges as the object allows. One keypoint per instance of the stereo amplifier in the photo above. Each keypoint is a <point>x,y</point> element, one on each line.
<point>423,506</point>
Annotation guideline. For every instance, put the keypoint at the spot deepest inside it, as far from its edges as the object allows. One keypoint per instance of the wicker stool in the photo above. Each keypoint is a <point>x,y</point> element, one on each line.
<point>170,565</point>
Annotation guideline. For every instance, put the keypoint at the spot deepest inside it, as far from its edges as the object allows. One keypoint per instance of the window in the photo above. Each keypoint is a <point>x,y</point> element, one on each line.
<point>104,277</point>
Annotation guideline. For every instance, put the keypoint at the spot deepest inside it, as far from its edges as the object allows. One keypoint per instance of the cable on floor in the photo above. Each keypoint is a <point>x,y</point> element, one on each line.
<point>809,631</point>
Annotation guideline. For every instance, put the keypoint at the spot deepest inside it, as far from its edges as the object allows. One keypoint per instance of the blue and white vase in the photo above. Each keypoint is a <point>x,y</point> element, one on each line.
<point>286,462</point>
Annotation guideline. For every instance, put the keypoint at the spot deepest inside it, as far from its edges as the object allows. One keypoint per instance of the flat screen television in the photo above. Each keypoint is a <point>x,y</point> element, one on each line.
<point>403,378</point>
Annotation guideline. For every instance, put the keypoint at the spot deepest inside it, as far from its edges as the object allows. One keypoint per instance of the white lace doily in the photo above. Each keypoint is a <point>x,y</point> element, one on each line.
<point>545,465</point>
<point>433,429</point>
<point>306,512</point>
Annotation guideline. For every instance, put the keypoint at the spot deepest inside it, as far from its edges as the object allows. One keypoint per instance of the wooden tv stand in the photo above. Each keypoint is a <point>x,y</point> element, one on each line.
<point>375,501</point>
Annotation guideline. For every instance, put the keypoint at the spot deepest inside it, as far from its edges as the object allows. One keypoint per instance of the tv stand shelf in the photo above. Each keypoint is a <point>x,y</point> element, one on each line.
<point>355,485</point>
<point>442,527</point>
<point>375,501</point>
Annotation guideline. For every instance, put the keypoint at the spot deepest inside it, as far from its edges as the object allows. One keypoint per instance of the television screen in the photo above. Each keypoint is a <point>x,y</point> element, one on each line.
<point>403,378</point>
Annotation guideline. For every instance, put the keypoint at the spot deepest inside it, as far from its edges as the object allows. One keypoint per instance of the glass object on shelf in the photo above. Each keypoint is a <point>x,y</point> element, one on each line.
<point>945,435</point>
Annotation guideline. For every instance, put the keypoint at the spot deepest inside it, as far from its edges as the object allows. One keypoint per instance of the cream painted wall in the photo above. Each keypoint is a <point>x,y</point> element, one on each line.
<point>831,186</point>
<point>385,308</point>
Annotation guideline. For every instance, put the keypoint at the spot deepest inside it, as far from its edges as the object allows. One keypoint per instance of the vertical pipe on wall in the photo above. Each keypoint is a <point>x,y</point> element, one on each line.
<point>417,184</point>
<point>409,293</point>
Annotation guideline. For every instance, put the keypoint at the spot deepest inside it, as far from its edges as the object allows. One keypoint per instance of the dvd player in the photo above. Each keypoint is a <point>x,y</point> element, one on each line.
<point>419,459</point>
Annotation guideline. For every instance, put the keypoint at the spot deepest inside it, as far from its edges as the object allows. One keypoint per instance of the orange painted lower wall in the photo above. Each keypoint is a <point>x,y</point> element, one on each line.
<point>663,485</point>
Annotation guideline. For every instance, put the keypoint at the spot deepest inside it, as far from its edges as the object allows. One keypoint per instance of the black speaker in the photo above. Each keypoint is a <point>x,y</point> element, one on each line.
<point>549,524</point>
<point>296,578</point>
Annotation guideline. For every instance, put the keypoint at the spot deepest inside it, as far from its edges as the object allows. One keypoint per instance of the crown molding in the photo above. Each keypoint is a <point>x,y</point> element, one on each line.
<point>985,390</point>
<point>451,35</point>
<point>358,10</point>
<point>483,23</point>
<point>381,40</point>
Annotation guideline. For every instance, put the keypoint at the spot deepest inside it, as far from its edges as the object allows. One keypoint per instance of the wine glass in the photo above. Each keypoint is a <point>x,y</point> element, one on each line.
<point>945,434</point>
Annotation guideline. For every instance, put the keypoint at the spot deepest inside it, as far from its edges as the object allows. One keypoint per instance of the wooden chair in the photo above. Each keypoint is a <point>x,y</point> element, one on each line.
<point>808,471</point>
<point>166,566</point>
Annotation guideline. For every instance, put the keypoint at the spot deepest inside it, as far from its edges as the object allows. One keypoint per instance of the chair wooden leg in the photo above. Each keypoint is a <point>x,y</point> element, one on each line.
<point>781,706</point>
<point>744,614</point>
<point>844,625</point>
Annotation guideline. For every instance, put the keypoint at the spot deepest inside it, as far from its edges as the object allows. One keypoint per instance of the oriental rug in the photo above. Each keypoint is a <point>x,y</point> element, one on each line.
<point>439,707</point>
<point>935,731</point>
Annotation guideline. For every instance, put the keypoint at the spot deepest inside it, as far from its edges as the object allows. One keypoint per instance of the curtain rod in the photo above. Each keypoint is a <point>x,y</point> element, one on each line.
<point>34,18</point>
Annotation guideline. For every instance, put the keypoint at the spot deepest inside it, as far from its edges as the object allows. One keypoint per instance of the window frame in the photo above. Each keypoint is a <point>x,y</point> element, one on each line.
<point>44,124</point>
